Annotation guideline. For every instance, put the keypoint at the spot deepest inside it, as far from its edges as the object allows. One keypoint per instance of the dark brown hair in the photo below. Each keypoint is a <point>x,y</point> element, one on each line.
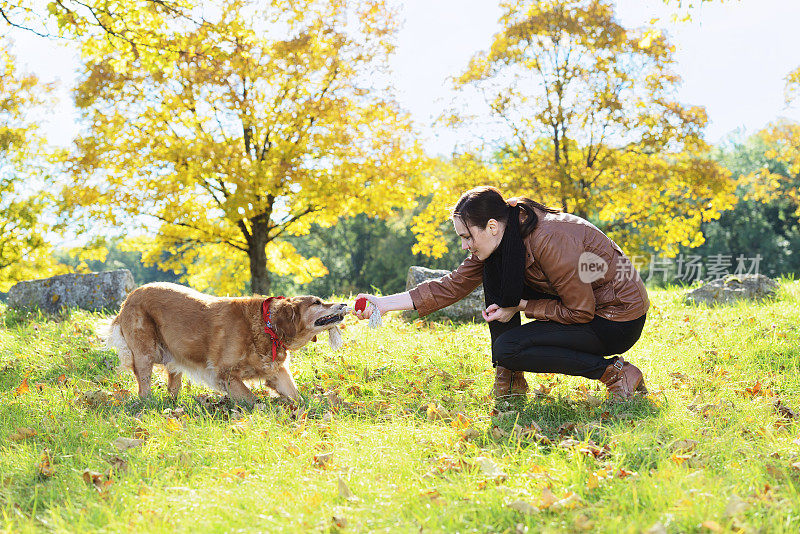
<point>478,205</point>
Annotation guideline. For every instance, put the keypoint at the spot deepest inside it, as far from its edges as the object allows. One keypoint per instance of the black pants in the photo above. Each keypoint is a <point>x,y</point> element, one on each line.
<point>571,349</point>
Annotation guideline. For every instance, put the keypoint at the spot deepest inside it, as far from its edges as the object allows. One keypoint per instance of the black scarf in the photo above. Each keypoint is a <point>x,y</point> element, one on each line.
<point>504,270</point>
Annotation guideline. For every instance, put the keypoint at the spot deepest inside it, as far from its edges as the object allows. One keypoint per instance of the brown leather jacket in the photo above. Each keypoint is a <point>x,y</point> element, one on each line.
<point>566,256</point>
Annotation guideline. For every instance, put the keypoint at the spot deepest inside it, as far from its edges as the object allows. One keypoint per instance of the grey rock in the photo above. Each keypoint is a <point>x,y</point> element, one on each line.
<point>93,291</point>
<point>468,308</point>
<point>733,288</point>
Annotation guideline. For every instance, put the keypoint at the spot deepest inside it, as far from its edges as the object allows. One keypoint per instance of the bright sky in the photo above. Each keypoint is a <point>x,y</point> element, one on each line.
<point>733,58</point>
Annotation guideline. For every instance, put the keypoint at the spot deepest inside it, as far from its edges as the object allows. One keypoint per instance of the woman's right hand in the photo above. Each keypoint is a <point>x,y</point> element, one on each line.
<point>366,312</point>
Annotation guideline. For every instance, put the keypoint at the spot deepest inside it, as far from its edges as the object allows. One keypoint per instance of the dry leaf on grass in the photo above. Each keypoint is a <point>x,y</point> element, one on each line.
<point>236,472</point>
<point>683,445</point>
<point>173,425</point>
<point>240,426</point>
<point>437,412</point>
<point>339,521</point>
<point>595,478</point>
<point>590,448</point>
<point>498,433</point>
<point>524,507</point>
<point>565,428</point>
<point>23,388</point>
<point>464,383</point>
<point>324,460</point>
<point>490,468</point>
<point>784,411</point>
<point>344,491</point>
<point>571,500</point>
<point>22,434</point>
<point>703,410</point>
<point>123,444</point>
<point>118,465</point>
<point>679,380</point>
<point>469,433</point>
<point>624,473</point>
<point>680,458</point>
<point>756,390</point>
<point>446,463</point>
<point>44,468</point>
<point>98,480</point>
<point>461,421</point>
<point>335,400</point>
<point>94,399</point>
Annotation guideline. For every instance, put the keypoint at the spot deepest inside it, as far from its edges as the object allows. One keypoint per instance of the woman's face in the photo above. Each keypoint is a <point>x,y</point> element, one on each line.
<point>479,241</point>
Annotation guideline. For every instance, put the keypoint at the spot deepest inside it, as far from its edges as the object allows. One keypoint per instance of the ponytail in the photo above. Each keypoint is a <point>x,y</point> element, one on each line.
<point>478,205</point>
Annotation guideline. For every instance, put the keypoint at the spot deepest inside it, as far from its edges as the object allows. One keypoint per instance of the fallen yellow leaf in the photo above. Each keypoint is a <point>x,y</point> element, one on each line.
<point>461,421</point>
<point>23,388</point>
<point>45,466</point>
<point>173,425</point>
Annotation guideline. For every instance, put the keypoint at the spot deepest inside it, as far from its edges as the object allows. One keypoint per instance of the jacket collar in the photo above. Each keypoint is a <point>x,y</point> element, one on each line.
<point>529,258</point>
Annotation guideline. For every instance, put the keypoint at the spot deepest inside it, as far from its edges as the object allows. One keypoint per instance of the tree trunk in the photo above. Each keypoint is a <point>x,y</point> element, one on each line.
<point>259,276</point>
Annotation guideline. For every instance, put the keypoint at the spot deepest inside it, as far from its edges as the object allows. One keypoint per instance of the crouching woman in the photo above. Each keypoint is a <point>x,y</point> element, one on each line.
<point>588,301</point>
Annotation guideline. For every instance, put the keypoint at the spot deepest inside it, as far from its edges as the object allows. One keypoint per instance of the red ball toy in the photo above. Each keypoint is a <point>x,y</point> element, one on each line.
<point>361,304</point>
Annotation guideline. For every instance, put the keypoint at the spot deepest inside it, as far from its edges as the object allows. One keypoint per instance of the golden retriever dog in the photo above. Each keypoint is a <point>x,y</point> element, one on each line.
<point>219,341</point>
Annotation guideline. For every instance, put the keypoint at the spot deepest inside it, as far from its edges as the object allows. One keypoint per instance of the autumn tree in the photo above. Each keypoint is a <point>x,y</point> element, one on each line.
<point>226,135</point>
<point>24,202</point>
<point>584,119</point>
<point>777,180</point>
<point>756,226</point>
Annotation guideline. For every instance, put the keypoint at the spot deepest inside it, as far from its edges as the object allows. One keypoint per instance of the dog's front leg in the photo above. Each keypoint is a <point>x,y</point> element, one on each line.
<point>238,391</point>
<point>284,384</point>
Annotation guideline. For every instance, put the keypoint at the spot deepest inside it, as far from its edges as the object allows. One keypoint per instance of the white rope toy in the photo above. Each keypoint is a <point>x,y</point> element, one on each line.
<point>374,319</point>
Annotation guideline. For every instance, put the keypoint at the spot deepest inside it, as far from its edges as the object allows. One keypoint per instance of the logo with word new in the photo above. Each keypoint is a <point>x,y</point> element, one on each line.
<point>591,267</point>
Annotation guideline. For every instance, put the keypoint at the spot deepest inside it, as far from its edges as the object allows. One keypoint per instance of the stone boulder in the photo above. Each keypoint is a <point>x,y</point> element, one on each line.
<point>466,309</point>
<point>93,291</point>
<point>733,288</point>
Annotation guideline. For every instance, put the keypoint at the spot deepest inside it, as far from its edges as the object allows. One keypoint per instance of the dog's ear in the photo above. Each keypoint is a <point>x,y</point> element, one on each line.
<point>286,317</point>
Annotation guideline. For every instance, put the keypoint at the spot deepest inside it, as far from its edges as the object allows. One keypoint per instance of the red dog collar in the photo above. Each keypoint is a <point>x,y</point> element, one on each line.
<point>268,328</point>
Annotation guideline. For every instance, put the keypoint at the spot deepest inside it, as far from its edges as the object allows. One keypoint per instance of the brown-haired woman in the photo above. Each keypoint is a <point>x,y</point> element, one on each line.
<point>588,300</point>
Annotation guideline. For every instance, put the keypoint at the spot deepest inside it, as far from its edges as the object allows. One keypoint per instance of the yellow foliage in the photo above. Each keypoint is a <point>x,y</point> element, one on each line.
<point>767,185</point>
<point>597,135</point>
<point>25,250</point>
<point>232,134</point>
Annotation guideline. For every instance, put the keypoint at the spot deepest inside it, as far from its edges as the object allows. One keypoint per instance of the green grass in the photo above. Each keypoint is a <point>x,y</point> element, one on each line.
<point>700,454</point>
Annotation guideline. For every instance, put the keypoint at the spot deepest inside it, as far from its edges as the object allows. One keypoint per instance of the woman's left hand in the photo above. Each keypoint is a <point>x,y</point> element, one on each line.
<point>496,313</point>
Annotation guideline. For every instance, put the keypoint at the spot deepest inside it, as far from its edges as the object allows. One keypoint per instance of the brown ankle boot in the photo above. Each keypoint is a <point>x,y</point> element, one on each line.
<point>508,382</point>
<point>502,381</point>
<point>623,379</point>
<point>519,386</point>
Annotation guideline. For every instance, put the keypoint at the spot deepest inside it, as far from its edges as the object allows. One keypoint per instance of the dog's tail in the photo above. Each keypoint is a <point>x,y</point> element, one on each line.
<point>110,330</point>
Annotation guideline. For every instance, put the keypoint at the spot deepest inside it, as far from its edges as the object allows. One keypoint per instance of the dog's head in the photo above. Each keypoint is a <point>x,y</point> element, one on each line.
<point>298,319</point>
